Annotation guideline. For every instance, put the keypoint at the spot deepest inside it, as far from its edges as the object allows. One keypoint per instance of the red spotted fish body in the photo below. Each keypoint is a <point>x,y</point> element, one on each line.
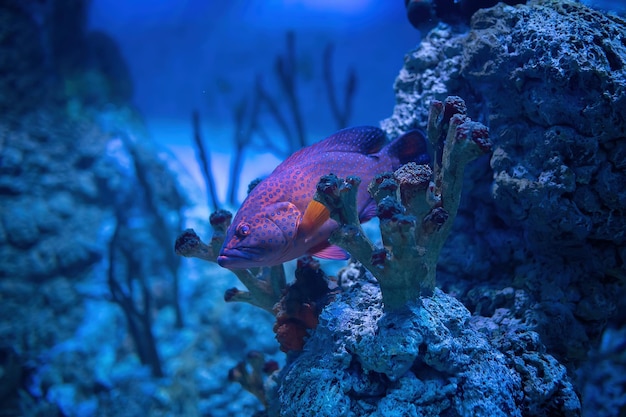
<point>273,225</point>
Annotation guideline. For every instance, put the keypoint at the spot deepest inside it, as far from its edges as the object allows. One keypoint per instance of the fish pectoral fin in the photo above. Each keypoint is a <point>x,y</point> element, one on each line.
<point>327,251</point>
<point>315,215</point>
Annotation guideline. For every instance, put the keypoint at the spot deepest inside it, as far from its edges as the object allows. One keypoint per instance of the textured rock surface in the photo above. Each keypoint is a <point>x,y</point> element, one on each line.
<point>23,78</point>
<point>538,255</point>
<point>549,79</point>
<point>74,164</point>
<point>539,263</point>
<point>65,184</point>
<point>427,360</point>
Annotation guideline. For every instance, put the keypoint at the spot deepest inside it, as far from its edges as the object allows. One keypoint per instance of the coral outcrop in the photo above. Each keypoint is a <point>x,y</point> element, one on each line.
<point>546,250</point>
<point>552,221</point>
<point>536,253</point>
<point>24,79</point>
<point>427,360</point>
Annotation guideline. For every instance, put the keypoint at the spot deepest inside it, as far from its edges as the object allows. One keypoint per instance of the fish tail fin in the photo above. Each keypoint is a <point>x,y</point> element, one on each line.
<point>412,146</point>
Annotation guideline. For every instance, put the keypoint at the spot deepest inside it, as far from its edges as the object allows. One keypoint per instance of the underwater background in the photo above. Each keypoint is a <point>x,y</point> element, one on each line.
<point>124,124</point>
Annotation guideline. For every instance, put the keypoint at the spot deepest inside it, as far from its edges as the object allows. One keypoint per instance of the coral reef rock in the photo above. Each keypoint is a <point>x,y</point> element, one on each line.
<point>427,360</point>
<point>548,79</point>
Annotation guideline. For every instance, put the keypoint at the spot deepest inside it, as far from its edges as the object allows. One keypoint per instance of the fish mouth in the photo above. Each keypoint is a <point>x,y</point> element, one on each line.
<point>238,258</point>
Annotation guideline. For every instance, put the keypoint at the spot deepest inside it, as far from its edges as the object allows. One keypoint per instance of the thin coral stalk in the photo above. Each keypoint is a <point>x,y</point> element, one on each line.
<point>341,114</point>
<point>205,161</point>
<point>286,72</point>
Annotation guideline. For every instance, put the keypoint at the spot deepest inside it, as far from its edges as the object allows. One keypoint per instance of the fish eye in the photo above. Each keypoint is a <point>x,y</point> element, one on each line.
<point>243,229</point>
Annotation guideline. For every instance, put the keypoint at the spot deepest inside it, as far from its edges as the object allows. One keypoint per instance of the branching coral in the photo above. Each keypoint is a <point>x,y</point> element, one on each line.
<point>252,379</point>
<point>416,206</point>
<point>264,285</point>
<point>296,306</point>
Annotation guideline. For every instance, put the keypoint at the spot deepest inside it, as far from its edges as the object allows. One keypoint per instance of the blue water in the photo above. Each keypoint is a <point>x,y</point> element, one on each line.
<point>206,55</point>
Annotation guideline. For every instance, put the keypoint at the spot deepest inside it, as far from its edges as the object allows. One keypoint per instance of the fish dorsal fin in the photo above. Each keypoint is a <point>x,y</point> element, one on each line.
<point>327,251</point>
<point>410,147</point>
<point>315,215</point>
<point>366,140</point>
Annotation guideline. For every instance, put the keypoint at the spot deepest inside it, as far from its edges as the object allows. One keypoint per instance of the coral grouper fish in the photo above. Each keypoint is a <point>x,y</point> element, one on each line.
<point>280,221</point>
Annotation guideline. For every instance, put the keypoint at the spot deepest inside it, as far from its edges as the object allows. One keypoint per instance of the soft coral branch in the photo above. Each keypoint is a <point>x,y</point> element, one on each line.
<point>416,207</point>
<point>264,285</point>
